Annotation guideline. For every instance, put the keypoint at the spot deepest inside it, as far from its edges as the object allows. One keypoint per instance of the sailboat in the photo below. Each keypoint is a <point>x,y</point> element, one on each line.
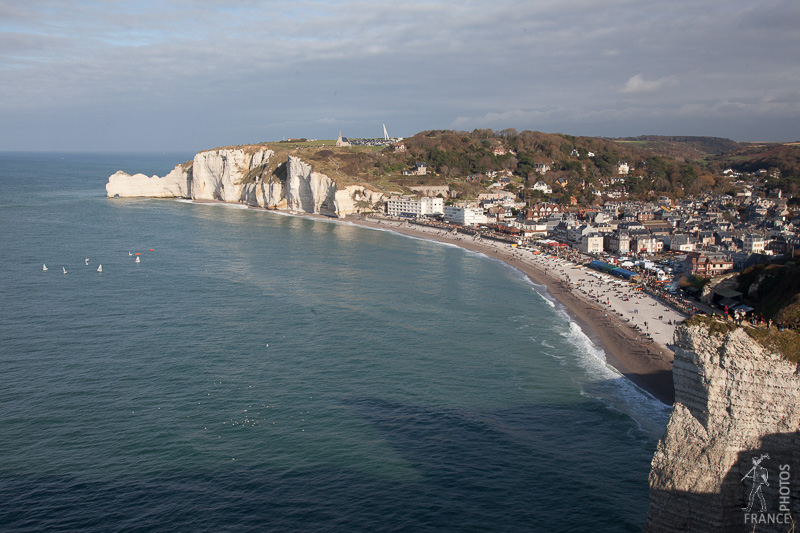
<point>64,270</point>
<point>86,261</point>
<point>99,268</point>
<point>137,259</point>
<point>44,267</point>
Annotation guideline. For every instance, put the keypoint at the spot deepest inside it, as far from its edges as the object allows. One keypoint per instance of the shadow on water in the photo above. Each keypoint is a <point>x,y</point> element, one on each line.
<point>778,456</point>
<point>527,468</point>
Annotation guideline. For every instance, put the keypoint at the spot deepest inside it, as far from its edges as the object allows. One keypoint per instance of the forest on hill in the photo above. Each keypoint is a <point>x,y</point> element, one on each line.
<point>467,161</point>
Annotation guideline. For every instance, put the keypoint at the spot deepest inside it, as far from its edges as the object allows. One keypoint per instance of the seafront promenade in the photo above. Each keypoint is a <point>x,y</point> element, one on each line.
<point>633,328</point>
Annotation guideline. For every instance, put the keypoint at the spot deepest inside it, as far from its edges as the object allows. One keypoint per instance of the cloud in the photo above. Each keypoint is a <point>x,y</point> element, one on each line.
<point>638,85</point>
<point>277,68</point>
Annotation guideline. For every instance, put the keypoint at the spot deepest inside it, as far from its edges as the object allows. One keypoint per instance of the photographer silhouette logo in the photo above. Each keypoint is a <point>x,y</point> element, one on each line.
<point>755,480</point>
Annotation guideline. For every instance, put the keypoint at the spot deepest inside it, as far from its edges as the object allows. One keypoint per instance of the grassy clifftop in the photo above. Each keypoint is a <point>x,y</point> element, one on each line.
<point>786,342</point>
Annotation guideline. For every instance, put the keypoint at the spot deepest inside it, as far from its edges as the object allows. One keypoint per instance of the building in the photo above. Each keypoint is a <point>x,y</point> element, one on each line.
<point>420,169</point>
<point>706,265</point>
<point>753,243</point>
<point>681,242</point>
<point>541,168</point>
<point>646,244</point>
<point>591,243</point>
<point>342,141</point>
<point>432,190</point>
<point>543,187</point>
<point>618,242</point>
<point>576,233</point>
<point>542,210</point>
<point>404,206</point>
<point>465,216</point>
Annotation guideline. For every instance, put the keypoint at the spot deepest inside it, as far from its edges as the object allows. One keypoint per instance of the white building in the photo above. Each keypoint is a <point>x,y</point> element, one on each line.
<point>465,216</point>
<point>753,243</point>
<point>623,169</point>
<point>427,205</point>
<point>591,244</point>
<point>542,186</point>
<point>646,244</point>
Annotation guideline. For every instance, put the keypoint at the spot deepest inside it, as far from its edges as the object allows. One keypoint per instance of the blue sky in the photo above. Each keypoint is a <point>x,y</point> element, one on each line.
<point>189,75</point>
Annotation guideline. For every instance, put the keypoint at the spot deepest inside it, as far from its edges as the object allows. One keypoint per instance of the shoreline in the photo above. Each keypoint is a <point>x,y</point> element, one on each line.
<point>622,345</point>
<point>647,365</point>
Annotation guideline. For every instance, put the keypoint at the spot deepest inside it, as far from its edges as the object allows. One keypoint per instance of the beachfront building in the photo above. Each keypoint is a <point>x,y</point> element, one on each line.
<point>465,216</point>
<point>412,207</point>
<point>646,244</point>
<point>563,229</point>
<point>591,243</point>
<point>618,242</point>
<point>575,234</point>
<point>532,228</point>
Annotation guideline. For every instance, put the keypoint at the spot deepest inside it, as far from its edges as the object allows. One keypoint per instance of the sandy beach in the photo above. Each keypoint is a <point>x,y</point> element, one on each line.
<point>633,328</point>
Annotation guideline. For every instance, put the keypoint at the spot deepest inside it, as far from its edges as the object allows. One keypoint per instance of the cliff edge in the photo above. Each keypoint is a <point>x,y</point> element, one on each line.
<point>252,175</point>
<point>732,440</point>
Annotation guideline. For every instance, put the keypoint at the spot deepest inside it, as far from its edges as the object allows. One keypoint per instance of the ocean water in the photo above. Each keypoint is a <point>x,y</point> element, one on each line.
<point>264,372</point>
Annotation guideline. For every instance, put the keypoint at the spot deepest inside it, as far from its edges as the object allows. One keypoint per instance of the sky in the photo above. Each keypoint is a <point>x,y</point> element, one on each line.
<point>174,75</point>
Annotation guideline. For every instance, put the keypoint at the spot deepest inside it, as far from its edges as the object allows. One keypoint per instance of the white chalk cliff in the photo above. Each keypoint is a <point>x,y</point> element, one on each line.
<point>735,400</point>
<point>241,175</point>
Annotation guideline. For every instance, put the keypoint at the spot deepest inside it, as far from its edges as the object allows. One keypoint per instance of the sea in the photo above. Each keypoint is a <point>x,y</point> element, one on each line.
<point>257,371</point>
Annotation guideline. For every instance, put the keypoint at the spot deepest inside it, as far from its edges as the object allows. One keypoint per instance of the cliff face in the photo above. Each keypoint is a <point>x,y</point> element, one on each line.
<point>176,184</point>
<point>219,174</point>
<point>734,401</point>
<point>239,175</point>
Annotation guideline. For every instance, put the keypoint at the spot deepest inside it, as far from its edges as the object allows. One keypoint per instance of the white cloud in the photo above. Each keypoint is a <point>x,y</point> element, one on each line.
<point>278,67</point>
<point>638,85</point>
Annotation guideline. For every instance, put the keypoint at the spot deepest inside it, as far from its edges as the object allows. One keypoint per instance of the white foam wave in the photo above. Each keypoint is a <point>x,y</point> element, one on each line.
<point>213,204</point>
<point>580,340</point>
<point>610,387</point>
<point>414,237</point>
<point>541,294</point>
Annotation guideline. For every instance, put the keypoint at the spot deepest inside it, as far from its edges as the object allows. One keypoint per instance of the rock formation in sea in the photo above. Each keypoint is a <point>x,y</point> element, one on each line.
<point>250,175</point>
<point>736,416</point>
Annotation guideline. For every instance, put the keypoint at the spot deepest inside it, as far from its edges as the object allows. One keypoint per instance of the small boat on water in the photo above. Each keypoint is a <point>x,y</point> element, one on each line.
<point>137,259</point>
<point>86,261</point>
<point>64,270</point>
<point>44,267</point>
<point>99,268</point>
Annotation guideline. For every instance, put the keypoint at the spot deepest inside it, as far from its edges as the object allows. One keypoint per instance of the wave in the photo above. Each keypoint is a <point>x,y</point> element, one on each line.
<point>214,204</point>
<point>614,390</point>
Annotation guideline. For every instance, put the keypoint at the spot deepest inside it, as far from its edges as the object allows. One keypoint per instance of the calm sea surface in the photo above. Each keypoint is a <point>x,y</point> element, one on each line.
<point>261,372</point>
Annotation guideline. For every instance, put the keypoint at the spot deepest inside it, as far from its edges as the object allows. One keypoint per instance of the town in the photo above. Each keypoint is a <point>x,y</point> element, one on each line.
<point>677,248</point>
